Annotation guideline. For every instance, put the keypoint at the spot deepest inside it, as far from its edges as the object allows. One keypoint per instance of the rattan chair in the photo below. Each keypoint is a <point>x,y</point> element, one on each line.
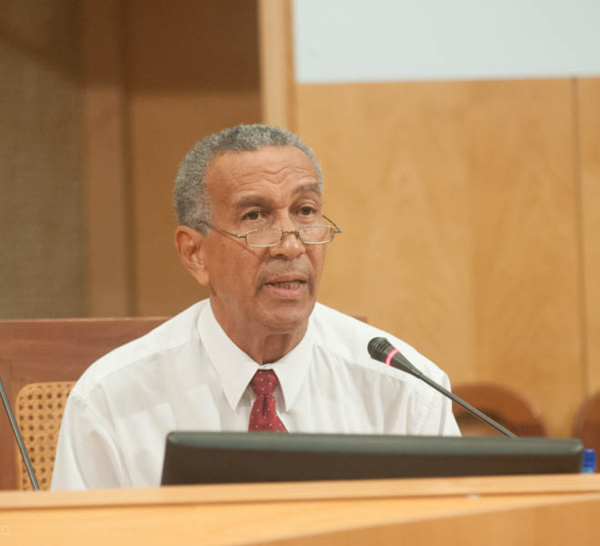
<point>39,362</point>
<point>502,404</point>
<point>39,410</point>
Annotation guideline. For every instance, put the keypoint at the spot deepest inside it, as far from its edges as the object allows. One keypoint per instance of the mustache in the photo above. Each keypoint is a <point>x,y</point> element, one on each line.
<point>276,268</point>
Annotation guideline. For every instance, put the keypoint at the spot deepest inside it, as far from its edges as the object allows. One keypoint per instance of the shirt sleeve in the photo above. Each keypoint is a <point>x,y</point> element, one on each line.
<point>86,455</point>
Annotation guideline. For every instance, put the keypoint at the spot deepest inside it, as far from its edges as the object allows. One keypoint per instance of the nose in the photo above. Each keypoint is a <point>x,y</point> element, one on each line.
<point>289,247</point>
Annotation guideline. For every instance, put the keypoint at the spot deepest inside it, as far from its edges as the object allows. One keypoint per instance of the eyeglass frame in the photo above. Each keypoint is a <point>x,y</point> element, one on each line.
<point>334,226</point>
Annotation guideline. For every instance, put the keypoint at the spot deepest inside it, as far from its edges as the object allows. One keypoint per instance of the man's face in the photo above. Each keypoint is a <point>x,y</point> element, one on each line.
<point>262,291</point>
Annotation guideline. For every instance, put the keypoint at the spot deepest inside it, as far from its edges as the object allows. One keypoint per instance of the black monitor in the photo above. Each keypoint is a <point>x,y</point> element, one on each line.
<point>241,457</point>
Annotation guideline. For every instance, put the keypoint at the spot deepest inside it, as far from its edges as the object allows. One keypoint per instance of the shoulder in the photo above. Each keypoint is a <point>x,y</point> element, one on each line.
<point>151,349</point>
<point>346,337</point>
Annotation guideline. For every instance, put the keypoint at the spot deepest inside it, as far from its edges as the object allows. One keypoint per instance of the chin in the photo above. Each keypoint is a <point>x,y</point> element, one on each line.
<point>287,319</point>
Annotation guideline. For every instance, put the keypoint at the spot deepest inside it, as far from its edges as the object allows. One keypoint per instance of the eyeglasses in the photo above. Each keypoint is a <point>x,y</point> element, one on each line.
<point>266,237</point>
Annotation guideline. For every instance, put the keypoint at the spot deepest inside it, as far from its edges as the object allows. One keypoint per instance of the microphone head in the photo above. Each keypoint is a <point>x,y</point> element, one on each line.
<point>379,348</point>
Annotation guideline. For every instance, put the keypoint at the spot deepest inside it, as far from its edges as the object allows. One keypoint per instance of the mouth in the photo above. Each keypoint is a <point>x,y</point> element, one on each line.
<point>287,287</point>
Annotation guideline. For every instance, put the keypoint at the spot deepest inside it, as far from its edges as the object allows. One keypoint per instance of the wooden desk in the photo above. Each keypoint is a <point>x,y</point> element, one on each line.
<point>544,510</point>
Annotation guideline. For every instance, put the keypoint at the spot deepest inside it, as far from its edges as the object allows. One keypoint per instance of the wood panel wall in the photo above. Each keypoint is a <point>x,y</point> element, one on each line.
<point>158,76</point>
<point>42,243</point>
<point>109,264</point>
<point>460,206</point>
<point>588,125</point>
<point>192,71</point>
<point>277,86</point>
<point>469,208</point>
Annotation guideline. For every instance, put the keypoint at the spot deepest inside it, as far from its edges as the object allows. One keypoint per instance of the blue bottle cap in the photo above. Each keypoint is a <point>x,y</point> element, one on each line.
<point>588,464</point>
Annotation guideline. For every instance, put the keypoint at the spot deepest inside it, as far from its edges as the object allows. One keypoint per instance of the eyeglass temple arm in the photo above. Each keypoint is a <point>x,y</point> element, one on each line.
<point>338,229</point>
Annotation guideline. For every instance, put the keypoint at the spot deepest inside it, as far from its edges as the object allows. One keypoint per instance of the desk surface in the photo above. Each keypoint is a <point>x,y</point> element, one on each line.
<point>483,486</point>
<point>350,512</point>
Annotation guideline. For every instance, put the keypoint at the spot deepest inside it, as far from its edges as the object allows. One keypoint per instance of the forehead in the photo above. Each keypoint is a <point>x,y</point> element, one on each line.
<point>270,165</point>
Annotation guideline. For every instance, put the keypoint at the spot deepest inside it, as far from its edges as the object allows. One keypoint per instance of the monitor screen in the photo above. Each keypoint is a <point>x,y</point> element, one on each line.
<point>241,457</point>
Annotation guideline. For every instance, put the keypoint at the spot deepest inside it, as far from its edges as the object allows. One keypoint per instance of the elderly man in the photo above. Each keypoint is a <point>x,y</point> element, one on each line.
<point>259,353</point>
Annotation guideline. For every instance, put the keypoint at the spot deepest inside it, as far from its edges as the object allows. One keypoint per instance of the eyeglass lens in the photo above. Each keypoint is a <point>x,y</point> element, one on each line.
<point>272,236</point>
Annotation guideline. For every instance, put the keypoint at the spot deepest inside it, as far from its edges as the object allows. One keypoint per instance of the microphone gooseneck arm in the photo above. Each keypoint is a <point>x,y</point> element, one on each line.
<point>382,350</point>
<point>17,432</point>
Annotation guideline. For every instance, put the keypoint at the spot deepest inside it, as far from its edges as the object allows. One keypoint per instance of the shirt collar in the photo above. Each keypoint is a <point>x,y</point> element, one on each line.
<point>235,368</point>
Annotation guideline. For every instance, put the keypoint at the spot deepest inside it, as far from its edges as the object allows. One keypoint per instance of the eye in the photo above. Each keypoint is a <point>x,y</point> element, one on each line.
<point>307,210</point>
<point>253,215</point>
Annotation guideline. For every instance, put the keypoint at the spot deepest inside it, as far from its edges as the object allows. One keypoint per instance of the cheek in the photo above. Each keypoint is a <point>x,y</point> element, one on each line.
<point>217,262</point>
<point>317,258</point>
<point>232,268</point>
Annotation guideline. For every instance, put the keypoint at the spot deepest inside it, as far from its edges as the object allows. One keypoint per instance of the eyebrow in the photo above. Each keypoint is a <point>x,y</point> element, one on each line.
<point>259,200</point>
<point>251,201</point>
<point>313,187</point>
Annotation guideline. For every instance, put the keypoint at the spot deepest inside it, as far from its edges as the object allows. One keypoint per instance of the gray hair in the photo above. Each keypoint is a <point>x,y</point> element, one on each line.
<point>190,196</point>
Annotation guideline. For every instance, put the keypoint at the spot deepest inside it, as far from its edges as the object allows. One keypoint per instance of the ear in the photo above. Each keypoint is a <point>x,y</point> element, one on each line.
<point>191,250</point>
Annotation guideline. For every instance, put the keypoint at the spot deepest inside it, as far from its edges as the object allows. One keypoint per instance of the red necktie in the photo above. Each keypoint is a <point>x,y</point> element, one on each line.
<point>263,415</point>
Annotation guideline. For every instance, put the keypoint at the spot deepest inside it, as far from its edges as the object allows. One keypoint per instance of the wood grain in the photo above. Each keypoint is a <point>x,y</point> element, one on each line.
<point>105,159</point>
<point>192,71</point>
<point>538,485</point>
<point>276,63</point>
<point>588,123</point>
<point>527,265</point>
<point>334,514</point>
<point>457,522</point>
<point>458,202</point>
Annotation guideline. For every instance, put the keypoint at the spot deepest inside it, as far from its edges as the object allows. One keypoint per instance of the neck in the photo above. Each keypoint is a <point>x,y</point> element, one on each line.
<point>274,347</point>
<point>259,343</point>
<point>269,348</point>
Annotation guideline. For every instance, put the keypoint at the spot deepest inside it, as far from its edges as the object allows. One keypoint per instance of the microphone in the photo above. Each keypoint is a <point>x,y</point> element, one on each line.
<point>17,432</point>
<point>382,350</point>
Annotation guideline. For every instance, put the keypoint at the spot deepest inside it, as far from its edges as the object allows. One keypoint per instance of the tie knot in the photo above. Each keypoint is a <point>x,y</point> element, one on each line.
<point>264,382</point>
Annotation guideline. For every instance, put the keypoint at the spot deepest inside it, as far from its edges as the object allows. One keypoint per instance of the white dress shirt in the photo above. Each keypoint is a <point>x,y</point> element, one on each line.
<point>188,375</point>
